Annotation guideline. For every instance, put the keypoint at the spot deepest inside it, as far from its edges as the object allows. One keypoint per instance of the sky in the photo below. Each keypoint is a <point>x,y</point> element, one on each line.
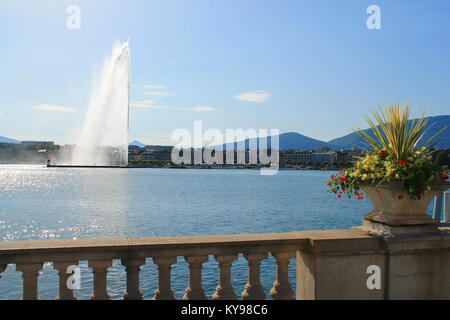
<point>309,66</point>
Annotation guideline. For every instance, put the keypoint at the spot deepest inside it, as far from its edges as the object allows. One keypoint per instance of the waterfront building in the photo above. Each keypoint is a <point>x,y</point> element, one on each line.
<point>303,157</point>
<point>322,158</point>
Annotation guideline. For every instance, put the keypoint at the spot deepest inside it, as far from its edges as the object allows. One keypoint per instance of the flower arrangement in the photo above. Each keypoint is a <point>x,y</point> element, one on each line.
<point>399,156</point>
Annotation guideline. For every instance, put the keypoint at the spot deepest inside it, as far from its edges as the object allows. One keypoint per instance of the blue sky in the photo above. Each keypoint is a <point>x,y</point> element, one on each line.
<point>310,66</point>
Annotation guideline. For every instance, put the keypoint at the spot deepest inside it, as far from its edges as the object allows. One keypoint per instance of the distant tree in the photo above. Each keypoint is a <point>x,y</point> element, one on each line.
<point>324,149</point>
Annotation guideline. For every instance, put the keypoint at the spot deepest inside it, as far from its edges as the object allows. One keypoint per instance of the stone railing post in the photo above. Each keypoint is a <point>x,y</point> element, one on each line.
<point>30,274</point>
<point>224,290</point>
<point>100,272</point>
<point>282,289</point>
<point>65,293</point>
<point>253,289</point>
<point>195,290</point>
<point>133,267</point>
<point>164,291</point>
<point>340,267</point>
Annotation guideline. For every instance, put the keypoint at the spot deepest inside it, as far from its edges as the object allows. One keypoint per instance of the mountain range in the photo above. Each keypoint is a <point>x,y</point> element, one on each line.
<point>297,141</point>
<point>353,140</point>
<point>137,143</point>
<point>8,140</point>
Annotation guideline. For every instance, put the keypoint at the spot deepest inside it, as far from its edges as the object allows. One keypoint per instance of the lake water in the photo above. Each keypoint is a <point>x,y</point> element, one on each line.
<point>56,203</point>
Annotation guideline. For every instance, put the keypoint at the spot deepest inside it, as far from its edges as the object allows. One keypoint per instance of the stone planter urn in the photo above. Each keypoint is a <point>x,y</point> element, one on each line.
<point>394,212</point>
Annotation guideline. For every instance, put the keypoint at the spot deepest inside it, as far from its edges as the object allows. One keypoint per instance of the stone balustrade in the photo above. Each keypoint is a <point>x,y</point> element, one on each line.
<point>333,264</point>
<point>29,258</point>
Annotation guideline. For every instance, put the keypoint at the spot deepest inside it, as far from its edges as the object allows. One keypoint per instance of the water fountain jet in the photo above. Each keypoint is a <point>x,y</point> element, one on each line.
<point>103,140</point>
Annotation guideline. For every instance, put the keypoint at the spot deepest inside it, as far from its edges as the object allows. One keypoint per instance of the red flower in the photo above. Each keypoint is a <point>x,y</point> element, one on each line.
<point>402,162</point>
<point>343,179</point>
<point>444,176</point>
<point>329,183</point>
<point>383,153</point>
<point>339,195</point>
<point>333,176</point>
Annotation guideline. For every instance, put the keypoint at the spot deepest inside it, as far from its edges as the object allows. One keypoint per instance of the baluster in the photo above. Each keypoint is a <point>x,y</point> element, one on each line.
<point>282,289</point>
<point>100,271</point>
<point>133,267</point>
<point>253,289</point>
<point>195,290</point>
<point>224,290</point>
<point>164,291</point>
<point>65,289</point>
<point>30,274</point>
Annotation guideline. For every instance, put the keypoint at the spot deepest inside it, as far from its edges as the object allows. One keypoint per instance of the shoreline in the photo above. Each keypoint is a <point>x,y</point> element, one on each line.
<point>164,167</point>
<point>161,167</point>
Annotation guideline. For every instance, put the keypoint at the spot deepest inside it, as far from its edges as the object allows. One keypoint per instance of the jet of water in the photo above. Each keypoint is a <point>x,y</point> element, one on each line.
<point>103,139</point>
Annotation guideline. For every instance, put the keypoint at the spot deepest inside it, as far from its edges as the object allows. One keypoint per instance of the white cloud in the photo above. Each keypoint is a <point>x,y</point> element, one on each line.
<point>149,104</point>
<point>51,107</point>
<point>159,93</point>
<point>154,86</point>
<point>202,109</point>
<point>254,96</point>
<point>142,104</point>
<point>1,113</point>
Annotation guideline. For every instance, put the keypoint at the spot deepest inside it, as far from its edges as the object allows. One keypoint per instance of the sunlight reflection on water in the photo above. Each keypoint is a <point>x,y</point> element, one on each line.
<point>56,203</point>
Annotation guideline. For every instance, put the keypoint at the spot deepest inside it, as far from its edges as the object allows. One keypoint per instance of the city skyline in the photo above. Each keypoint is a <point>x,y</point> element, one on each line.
<point>311,67</point>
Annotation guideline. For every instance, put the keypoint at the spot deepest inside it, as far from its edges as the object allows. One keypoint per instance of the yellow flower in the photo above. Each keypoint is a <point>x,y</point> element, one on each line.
<point>355,173</point>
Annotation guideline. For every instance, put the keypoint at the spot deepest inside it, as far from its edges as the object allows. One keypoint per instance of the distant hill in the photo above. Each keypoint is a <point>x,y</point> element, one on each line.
<point>136,143</point>
<point>8,140</point>
<point>288,140</point>
<point>150,147</point>
<point>297,141</point>
<point>353,140</point>
<point>294,140</point>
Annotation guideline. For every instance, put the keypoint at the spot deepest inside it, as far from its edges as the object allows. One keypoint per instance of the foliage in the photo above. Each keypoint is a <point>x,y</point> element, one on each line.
<point>396,135</point>
<point>395,158</point>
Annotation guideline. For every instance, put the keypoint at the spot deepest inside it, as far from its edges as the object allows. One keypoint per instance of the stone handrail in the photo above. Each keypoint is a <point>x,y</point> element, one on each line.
<point>30,256</point>
<point>330,264</point>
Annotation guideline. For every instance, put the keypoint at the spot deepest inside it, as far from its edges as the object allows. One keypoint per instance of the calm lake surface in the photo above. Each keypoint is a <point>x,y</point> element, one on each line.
<point>56,203</point>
